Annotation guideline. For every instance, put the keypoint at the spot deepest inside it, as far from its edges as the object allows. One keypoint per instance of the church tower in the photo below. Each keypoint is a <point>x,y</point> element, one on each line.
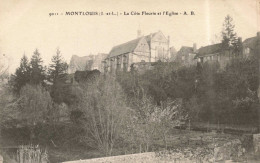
<point>139,32</point>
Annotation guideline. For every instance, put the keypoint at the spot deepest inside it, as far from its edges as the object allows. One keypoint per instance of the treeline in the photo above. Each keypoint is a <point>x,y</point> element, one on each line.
<point>209,94</point>
<point>31,98</point>
<point>39,106</point>
<point>126,112</point>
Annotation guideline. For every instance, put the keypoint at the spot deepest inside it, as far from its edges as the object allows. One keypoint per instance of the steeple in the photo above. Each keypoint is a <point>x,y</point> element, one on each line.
<point>139,32</point>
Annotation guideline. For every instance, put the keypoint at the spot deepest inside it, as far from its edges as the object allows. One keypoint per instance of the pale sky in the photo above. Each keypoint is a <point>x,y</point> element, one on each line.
<point>26,25</point>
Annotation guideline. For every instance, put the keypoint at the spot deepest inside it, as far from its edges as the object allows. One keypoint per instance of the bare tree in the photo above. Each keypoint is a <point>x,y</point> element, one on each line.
<point>151,121</point>
<point>103,105</point>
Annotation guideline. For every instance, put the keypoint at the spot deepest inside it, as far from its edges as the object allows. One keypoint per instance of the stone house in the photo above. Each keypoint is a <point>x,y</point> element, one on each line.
<point>216,52</point>
<point>251,46</point>
<point>186,55</point>
<point>150,48</point>
<point>213,53</point>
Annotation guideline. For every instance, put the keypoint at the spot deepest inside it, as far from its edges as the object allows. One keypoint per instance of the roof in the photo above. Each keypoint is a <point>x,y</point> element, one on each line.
<point>250,42</point>
<point>79,63</point>
<point>124,48</point>
<point>210,49</point>
<point>186,49</point>
<point>129,46</point>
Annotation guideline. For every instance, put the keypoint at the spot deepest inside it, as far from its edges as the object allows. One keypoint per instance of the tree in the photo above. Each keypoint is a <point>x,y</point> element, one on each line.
<point>103,105</point>
<point>229,37</point>
<point>58,68</point>
<point>34,104</point>
<point>37,69</point>
<point>22,74</point>
<point>4,65</point>
<point>57,73</point>
<point>150,122</point>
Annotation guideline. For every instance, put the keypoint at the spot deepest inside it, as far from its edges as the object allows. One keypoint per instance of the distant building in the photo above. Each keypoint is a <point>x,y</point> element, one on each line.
<point>186,55</point>
<point>90,62</point>
<point>251,46</point>
<point>97,62</point>
<point>173,54</point>
<point>150,48</point>
<point>213,53</point>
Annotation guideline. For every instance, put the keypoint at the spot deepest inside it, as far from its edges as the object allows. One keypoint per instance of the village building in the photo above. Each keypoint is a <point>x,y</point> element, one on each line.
<point>213,54</point>
<point>185,55</point>
<point>173,54</point>
<point>251,46</point>
<point>149,48</point>
<point>216,52</point>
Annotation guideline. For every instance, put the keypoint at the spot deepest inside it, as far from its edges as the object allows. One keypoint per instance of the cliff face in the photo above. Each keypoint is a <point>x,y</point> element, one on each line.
<point>84,63</point>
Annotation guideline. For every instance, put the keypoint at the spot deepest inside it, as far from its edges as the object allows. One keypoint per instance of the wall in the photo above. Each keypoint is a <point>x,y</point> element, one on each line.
<point>159,42</point>
<point>214,152</point>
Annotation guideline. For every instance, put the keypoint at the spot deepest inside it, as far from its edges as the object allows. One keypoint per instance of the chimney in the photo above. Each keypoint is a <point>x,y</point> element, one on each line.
<point>258,34</point>
<point>194,47</point>
<point>239,39</point>
<point>139,33</point>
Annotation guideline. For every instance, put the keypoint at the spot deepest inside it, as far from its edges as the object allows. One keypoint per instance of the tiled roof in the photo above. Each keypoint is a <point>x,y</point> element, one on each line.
<point>210,49</point>
<point>129,46</point>
<point>124,48</point>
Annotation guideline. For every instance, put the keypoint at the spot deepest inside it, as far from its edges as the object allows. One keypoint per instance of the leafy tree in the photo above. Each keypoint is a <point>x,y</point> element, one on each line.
<point>37,69</point>
<point>34,104</point>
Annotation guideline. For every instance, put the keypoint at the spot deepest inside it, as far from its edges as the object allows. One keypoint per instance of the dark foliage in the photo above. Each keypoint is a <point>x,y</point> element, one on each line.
<point>86,76</point>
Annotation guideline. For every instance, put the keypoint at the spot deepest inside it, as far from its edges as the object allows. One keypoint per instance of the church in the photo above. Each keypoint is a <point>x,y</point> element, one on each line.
<point>150,48</point>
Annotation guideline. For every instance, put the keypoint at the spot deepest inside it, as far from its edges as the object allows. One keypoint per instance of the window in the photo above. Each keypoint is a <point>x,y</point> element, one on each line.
<point>124,63</point>
<point>247,50</point>
<point>218,58</point>
<point>118,66</point>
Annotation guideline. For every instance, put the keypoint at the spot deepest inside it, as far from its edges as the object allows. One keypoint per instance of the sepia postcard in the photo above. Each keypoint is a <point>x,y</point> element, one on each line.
<point>94,81</point>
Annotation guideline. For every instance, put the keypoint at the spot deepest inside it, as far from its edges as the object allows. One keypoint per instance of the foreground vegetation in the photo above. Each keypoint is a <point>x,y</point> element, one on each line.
<point>130,112</point>
<point>107,114</point>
